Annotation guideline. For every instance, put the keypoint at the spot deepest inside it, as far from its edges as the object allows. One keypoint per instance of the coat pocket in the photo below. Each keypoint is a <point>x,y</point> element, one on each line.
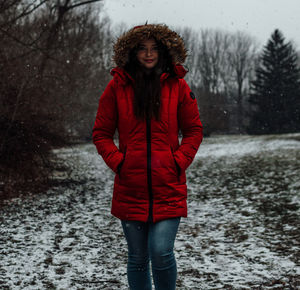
<point>178,169</point>
<point>121,163</point>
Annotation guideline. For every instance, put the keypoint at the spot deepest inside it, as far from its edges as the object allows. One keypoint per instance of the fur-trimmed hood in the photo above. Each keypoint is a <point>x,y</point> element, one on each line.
<point>130,39</point>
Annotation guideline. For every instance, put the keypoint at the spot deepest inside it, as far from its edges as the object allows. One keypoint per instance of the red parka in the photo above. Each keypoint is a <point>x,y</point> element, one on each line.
<point>150,163</point>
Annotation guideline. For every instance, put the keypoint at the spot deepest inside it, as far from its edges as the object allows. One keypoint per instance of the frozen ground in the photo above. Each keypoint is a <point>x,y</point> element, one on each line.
<point>243,229</point>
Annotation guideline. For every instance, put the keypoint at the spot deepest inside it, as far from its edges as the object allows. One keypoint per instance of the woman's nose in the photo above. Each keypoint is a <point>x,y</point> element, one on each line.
<point>149,52</point>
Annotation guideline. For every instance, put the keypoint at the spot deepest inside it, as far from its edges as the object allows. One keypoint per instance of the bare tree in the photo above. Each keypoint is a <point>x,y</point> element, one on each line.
<point>53,65</point>
<point>191,39</point>
<point>212,60</point>
<point>206,63</point>
<point>221,65</point>
<point>241,57</point>
<point>60,8</point>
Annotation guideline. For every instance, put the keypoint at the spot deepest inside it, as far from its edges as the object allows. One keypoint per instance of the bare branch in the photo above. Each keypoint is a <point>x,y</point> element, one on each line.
<point>25,13</point>
<point>83,3</point>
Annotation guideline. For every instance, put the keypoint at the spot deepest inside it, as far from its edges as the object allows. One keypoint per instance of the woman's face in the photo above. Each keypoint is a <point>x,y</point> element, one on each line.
<point>147,54</point>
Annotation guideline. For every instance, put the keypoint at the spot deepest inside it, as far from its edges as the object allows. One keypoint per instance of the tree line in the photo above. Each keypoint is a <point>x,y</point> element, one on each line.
<point>240,88</point>
<point>54,61</point>
<point>55,58</point>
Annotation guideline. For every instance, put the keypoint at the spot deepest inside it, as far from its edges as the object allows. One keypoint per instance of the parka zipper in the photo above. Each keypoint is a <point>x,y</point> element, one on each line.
<point>149,177</point>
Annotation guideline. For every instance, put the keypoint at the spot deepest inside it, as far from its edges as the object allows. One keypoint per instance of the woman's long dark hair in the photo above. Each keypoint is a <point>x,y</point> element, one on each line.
<point>147,90</point>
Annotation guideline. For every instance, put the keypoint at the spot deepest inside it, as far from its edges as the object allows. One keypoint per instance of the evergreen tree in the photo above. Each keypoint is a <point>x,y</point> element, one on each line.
<point>275,92</point>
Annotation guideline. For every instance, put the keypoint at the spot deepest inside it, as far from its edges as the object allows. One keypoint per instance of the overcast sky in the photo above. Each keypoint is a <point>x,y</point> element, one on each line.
<point>258,18</point>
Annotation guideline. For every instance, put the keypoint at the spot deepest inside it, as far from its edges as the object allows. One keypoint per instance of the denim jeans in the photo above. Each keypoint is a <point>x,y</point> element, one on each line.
<point>155,242</point>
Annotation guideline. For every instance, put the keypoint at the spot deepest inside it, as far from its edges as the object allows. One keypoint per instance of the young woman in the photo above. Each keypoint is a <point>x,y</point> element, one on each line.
<point>148,102</point>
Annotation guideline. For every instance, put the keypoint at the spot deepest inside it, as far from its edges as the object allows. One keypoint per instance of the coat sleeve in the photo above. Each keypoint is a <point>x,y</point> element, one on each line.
<point>105,127</point>
<point>190,125</point>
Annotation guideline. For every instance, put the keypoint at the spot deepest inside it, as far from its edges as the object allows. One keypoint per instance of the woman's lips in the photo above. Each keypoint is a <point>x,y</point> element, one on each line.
<point>148,60</point>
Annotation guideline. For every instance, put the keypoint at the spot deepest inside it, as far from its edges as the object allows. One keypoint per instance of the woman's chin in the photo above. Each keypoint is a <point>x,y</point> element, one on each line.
<point>149,66</point>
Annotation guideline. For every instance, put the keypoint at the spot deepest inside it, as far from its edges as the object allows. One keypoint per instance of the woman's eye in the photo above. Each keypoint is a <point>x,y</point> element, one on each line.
<point>145,49</point>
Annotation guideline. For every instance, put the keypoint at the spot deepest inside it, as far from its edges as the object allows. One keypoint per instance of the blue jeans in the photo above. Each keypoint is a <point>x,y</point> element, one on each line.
<point>155,242</point>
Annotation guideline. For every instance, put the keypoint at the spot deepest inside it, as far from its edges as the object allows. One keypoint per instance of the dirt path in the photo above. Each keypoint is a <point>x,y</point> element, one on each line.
<point>242,232</point>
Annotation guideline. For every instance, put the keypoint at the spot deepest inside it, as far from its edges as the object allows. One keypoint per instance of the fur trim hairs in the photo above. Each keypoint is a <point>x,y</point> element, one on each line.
<point>160,32</point>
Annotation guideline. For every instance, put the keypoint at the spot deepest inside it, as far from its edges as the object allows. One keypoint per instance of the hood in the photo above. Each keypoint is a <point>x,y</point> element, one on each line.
<point>130,39</point>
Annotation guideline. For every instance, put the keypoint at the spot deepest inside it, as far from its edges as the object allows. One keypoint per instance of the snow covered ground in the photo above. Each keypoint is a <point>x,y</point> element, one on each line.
<point>243,229</point>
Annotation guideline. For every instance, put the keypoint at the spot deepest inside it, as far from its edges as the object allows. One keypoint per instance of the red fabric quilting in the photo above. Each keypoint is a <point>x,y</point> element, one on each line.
<point>138,158</point>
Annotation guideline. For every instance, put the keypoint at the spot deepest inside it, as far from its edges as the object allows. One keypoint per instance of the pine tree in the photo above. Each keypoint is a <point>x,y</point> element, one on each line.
<point>275,92</point>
